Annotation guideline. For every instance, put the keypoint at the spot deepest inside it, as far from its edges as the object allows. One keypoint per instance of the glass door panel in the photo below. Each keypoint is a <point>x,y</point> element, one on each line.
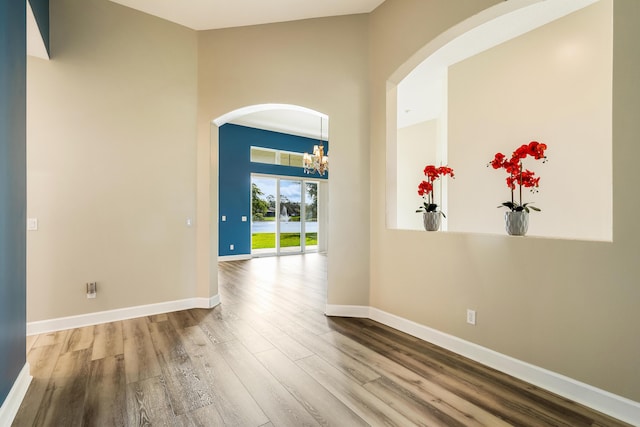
<point>311,216</point>
<point>290,221</point>
<point>263,215</point>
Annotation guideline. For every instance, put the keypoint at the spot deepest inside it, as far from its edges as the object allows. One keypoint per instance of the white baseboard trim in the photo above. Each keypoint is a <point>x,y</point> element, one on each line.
<point>347,311</point>
<point>209,302</point>
<point>11,404</point>
<point>70,322</point>
<point>234,257</point>
<point>608,403</point>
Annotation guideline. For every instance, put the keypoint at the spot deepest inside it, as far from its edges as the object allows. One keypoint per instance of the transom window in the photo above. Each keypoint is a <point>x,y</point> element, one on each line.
<point>276,157</point>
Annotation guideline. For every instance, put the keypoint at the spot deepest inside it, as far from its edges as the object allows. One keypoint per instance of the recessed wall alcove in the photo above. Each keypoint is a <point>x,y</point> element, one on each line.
<point>517,72</point>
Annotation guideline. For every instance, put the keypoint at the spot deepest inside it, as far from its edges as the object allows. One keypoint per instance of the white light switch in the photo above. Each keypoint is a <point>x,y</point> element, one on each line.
<point>224,218</point>
<point>244,218</point>
<point>32,224</point>
<point>231,247</point>
<point>189,222</point>
<point>92,289</point>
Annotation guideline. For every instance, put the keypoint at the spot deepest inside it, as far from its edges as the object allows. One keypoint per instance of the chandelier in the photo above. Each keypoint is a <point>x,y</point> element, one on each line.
<point>318,161</point>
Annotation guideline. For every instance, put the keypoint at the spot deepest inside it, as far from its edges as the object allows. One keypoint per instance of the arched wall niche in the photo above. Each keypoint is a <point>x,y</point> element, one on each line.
<point>519,71</point>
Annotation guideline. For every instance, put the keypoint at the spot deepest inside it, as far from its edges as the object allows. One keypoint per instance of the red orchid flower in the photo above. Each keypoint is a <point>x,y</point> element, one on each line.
<point>425,188</point>
<point>517,177</point>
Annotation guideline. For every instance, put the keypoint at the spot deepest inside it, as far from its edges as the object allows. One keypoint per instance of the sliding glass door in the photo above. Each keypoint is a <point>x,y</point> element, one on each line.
<point>284,215</point>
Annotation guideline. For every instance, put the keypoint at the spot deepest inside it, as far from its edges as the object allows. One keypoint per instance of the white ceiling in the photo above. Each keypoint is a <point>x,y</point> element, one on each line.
<point>288,121</point>
<point>213,14</point>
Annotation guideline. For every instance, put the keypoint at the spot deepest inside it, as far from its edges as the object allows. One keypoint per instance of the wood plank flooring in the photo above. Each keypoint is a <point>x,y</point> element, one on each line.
<point>269,357</point>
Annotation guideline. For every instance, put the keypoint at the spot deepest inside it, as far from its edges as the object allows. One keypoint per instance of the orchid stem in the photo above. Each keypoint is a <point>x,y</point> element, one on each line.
<point>512,200</point>
<point>520,184</point>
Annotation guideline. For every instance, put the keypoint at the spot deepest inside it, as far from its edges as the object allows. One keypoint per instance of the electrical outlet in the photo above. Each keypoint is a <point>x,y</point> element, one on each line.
<point>231,247</point>
<point>471,317</point>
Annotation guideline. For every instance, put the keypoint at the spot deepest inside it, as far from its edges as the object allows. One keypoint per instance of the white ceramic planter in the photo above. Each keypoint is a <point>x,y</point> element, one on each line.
<point>431,220</point>
<point>516,223</point>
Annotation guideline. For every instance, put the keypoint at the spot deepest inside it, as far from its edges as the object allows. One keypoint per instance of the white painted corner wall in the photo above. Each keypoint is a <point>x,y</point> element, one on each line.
<point>9,408</point>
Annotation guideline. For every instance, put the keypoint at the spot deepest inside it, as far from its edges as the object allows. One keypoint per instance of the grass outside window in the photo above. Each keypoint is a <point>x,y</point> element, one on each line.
<point>287,240</point>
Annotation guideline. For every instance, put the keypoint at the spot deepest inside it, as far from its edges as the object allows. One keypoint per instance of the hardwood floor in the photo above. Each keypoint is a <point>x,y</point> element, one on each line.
<point>269,357</point>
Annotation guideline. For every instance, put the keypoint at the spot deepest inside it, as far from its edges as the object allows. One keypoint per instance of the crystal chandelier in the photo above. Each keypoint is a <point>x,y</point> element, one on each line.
<point>318,161</point>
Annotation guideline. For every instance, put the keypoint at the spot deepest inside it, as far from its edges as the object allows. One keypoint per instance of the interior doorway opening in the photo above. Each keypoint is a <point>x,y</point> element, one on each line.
<point>270,202</point>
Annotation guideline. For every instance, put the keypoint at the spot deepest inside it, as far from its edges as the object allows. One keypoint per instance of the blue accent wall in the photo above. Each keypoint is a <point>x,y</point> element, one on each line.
<point>12,192</point>
<point>40,10</point>
<point>235,171</point>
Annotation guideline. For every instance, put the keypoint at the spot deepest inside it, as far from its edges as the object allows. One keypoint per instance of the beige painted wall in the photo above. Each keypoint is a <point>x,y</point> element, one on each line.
<point>553,85</point>
<point>567,306</point>
<point>111,161</point>
<point>319,64</point>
